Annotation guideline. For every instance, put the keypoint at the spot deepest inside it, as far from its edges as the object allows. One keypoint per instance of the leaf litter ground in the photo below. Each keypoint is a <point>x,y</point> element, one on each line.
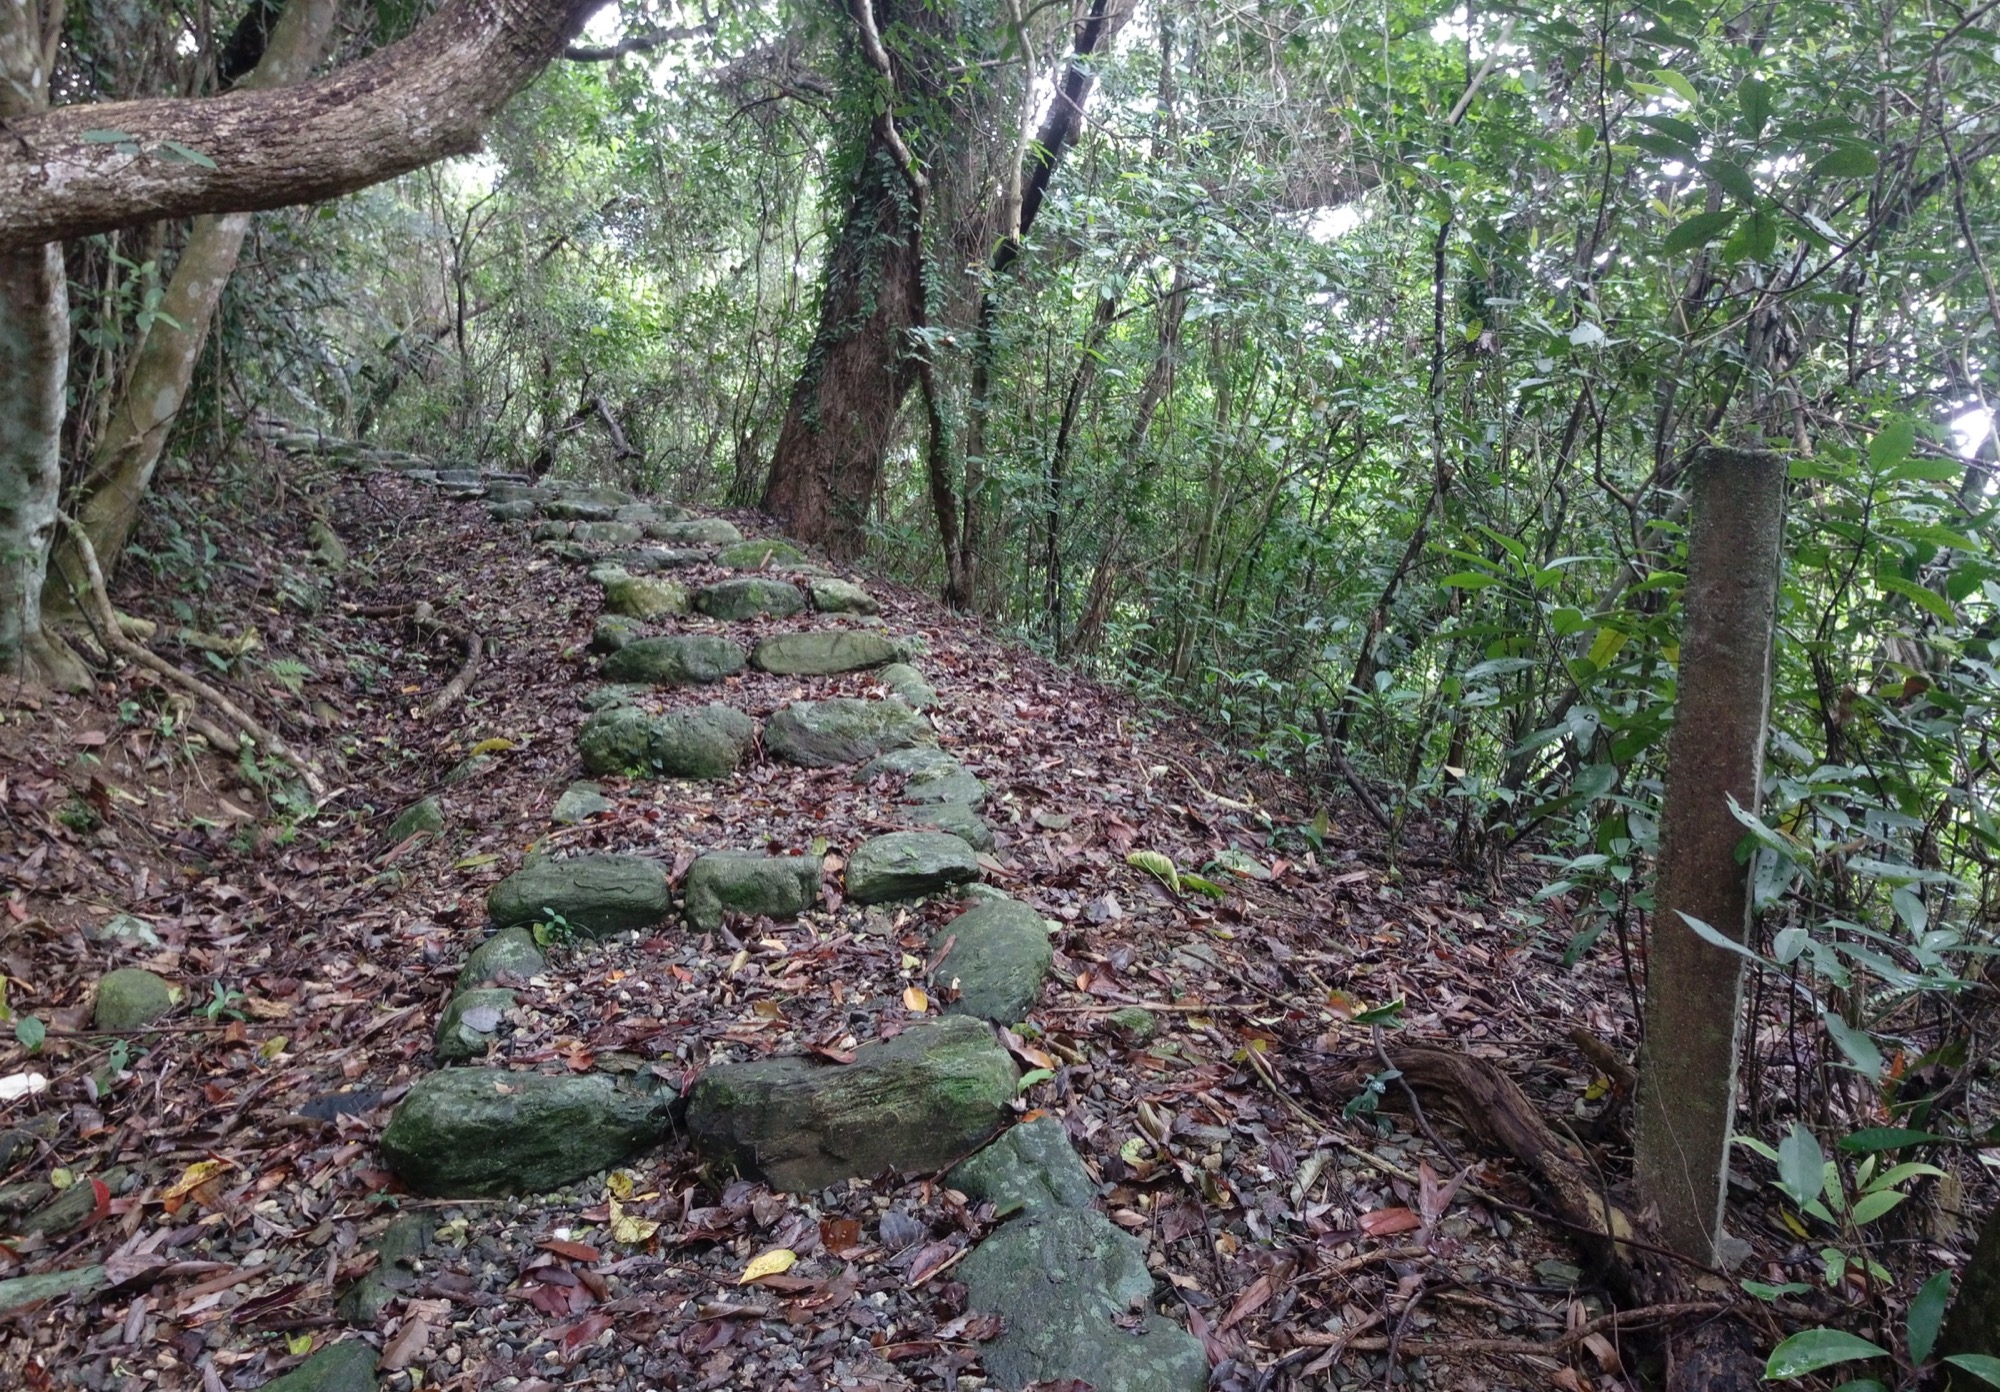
<point>228,1160</point>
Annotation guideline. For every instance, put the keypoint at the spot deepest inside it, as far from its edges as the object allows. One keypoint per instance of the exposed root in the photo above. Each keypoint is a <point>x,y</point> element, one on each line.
<point>424,619</point>
<point>113,635</point>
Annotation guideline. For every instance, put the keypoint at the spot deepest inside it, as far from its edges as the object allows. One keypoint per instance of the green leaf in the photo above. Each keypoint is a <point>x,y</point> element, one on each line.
<point>29,1032</point>
<point>1928,600</point>
<point>1869,1207</point>
<point>107,137</point>
<point>1158,866</point>
<point>1801,1165</point>
<point>1390,1014</point>
<point>1732,179</point>
<point>1714,939</point>
<point>1892,444</point>
<point>1678,85</point>
<point>1875,1138</point>
<point>1698,230</point>
<point>1031,1077</point>
<point>1202,885</point>
<point>1813,1349</point>
<point>1753,101</point>
<point>1856,1044</point>
<point>1927,1315</point>
<point>1848,162</point>
<point>1763,1291</point>
<point>185,154</point>
<point>1468,580</point>
<point>1981,1366</point>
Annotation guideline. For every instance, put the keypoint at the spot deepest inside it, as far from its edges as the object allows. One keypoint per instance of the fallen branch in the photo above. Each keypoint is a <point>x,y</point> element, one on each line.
<point>114,636</point>
<point>472,645</point>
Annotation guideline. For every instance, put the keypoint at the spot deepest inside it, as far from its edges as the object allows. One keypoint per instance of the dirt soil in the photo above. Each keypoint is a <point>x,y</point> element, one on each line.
<point>223,1164</point>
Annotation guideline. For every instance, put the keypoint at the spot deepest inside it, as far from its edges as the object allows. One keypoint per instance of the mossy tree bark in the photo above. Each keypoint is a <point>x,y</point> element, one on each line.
<point>121,468</point>
<point>1693,1012</point>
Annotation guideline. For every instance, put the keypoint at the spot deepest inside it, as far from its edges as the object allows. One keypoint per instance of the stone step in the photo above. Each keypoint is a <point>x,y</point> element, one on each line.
<point>750,597</point>
<point>996,954</point>
<point>843,730</point>
<point>680,659</point>
<point>596,895</point>
<point>822,653</point>
<point>908,865</point>
<point>708,742</point>
<point>747,882</point>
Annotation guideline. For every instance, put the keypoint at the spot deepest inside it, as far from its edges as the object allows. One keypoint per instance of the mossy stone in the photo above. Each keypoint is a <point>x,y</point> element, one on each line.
<point>510,954</point>
<point>757,552</point>
<point>643,596</point>
<point>595,895</point>
<point>699,531</point>
<point>425,815</point>
<point>821,654</point>
<point>955,818</point>
<point>909,684</point>
<point>908,865</point>
<point>744,882</point>
<point>998,959</point>
<point>681,659</point>
<point>471,1020</point>
<point>750,597</point>
<point>1029,1168</point>
<point>348,1366</point>
<point>910,1104</point>
<point>705,743</point>
<point>579,803</point>
<point>843,730</point>
<point>835,596</point>
<point>131,998</point>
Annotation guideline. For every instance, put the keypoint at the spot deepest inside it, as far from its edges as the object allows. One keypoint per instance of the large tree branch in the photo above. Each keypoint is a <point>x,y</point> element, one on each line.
<point>637,43</point>
<point>64,175</point>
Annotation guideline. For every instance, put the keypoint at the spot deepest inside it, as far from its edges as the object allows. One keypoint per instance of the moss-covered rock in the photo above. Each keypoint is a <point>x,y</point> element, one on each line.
<point>953,818</point>
<point>643,596</point>
<point>820,654</point>
<point>744,882</point>
<point>425,815</point>
<point>750,597</point>
<point>606,533</point>
<point>519,510</point>
<point>929,776</point>
<point>579,803</point>
<point>707,742</point>
<point>908,865</point>
<point>1030,1168</point>
<point>572,509</point>
<point>835,596</point>
<point>613,632</point>
<point>758,552</point>
<point>611,694</point>
<point>909,685</point>
<point>509,955</point>
<point>348,1366</point>
<point>910,1104</point>
<point>999,955</point>
<point>680,659</point>
<point>471,1020</point>
<point>843,730</point>
<point>131,998</point>
<point>700,531</point>
<point>477,1132</point>
<point>595,895</point>
<point>550,531</point>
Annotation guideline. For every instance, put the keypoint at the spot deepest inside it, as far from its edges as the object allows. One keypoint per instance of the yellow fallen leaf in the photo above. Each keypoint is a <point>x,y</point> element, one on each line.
<point>196,1175</point>
<point>298,1345</point>
<point>629,1230</point>
<point>621,1183</point>
<point>777,1260</point>
<point>491,746</point>
<point>916,999</point>
<point>272,1047</point>
<point>61,1179</point>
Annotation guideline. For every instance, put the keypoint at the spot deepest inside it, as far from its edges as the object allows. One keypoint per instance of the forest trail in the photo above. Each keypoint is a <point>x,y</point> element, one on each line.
<point>655,1028</point>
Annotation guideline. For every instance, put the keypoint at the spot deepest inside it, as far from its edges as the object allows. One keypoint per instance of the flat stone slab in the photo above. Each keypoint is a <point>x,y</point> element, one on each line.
<point>577,510</point>
<point>644,560</point>
<point>1074,1290</point>
<point>479,1132</point>
<point>910,1104</point>
<point>699,531</point>
<point>820,654</point>
<point>596,895</point>
<point>509,955</point>
<point>843,730</point>
<point>606,533</point>
<point>643,596</point>
<point>680,659</point>
<point>998,957</point>
<point>908,865</point>
<point>517,510</point>
<point>831,595</point>
<point>708,742</point>
<point>746,882</point>
<point>750,597</point>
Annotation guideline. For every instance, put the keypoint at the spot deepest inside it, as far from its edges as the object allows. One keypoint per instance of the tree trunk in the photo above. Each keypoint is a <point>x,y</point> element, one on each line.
<point>1974,1323</point>
<point>1687,1076</point>
<point>34,365</point>
<point>409,104</point>
<point>828,461</point>
<point>121,467</point>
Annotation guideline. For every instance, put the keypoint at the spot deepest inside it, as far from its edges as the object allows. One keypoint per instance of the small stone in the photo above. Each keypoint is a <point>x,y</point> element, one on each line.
<point>578,510</point>
<point>647,559</point>
<point>479,1132</point>
<point>509,955</point>
<point>348,1366</point>
<point>682,659</point>
<point>910,1103</point>
<point>397,1251</point>
<point>929,776</point>
<point>550,531</point>
<point>596,895</point>
<point>470,1021</point>
<point>843,730</point>
<point>465,770</point>
<point>700,531</point>
<point>908,865</point>
<point>131,998</point>
<point>750,597</point>
<point>643,597</point>
<point>821,654</point>
<point>645,514</point>
<point>579,803</point>
<point>998,956</point>
<point>519,510</point>
<point>426,816</point>
<point>1140,1023</point>
<point>909,684</point>
<point>834,596</point>
<point>757,553</point>
<point>128,928</point>
<point>744,882</point>
<point>955,818</point>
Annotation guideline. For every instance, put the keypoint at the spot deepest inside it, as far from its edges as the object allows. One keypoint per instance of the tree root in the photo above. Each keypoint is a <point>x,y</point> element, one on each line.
<point>113,634</point>
<point>424,618</point>
<point>1645,1278</point>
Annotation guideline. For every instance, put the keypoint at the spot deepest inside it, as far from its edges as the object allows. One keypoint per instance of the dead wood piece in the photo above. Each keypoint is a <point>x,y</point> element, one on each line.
<point>1605,1060</point>
<point>469,642</point>
<point>107,619</point>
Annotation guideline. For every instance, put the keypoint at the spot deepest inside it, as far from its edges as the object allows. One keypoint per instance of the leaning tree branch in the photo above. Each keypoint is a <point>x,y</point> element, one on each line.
<point>402,107</point>
<point>114,636</point>
<point>637,43</point>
